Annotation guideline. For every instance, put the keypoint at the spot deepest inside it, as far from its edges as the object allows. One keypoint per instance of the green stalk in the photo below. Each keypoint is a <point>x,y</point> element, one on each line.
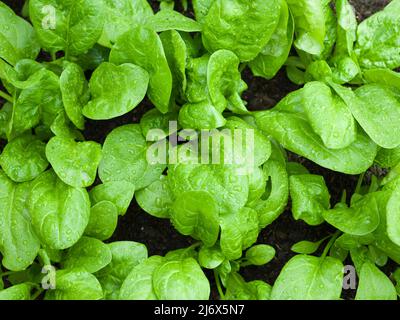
<point>330,243</point>
<point>6,96</point>
<point>219,286</point>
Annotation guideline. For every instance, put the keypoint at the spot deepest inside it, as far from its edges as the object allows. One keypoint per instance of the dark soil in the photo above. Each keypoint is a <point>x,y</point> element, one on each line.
<point>160,237</point>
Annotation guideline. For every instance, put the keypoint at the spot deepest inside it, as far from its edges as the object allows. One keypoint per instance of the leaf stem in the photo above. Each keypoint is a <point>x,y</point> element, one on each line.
<point>45,258</point>
<point>330,243</point>
<point>359,182</point>
<point>7,273</point>
<point>219,287</point>
<point>37,293</point>
<point>6,96</point>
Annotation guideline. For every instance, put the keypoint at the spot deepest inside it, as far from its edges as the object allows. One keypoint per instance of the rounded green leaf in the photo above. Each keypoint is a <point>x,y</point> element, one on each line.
<point>309,278</point>
<point>122,15</point>
<point>329,116</point>
<point>74,162</point>
<point>393,217</point>
<point>23,159</point>
<point>275,53</point>
<point>377,110</point>
<point>143,47</point>
<point>103,220</point>
<point>125,158</point>
<point>195,213</point>
<point>243,27</point>
<point>200,115</point>
<point>19,244</point>
<point>360,219</point>
<point>59,24</point>
<point>374,284</point>
<point>60,213</point>
<point>75,93</point>
<point>306,247</point>
<point>294,132</point>
<point>156,199</point>
<point>211,257</point>
<point>239,231</point>
<point>88,253</point>
<point>138,285</point>
<point>120,193</point>
<point>17,37</point>
<point>173,20</point>
<point>130,85</point>
<point>125,256</point>
<point>180,280</point>
<point>18,292</point>
<point>310,197</point>
<point>260,254</point>
<point>223,78</point>
<point>270,208</point>
<point>75,285</point>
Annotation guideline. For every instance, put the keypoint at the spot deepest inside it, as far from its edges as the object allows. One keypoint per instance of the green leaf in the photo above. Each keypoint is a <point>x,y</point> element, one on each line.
<point>125,256</point>
<point>103,220</point>
<point>306,247</point>
<point>176,52</point>
<point>260,254</point>
<point>75,285</point>
<point>310,197</point>
<point>23,159</point>
<point>130,85</point>
<point>347,27</point>
<point>62,127</point>
<point>309,20</point>
<point>75,93</point>
<point>17,37</point>
<point>309,278</point>
<point>138,285</point>
<point>143,47</point>
<point>173,20</point>
<point>378,38</point>
<point>374,284</point>
<point>229,190</point>
<point>296,135</point>
<point>88,253</point>
<point>243,27</point>
<point>156,199</point>
<point>19,244</point>
<point>388,158</point>
<point>360,219</point>
<point>378,112</point>
<point>195,213</point>
<point>224,80</point>
<point>393,217</point>
<point>239,231</point>
<point>120,193</point>
<point>74,162</point>
<point>154,119</point>
<point>125,158</point>
<point>211,257</point>
<point>270,206</point>
<point>273,56</point>
<point>60,213</point>
<point>122,15</point>
<point>18,292</point>
<point>180,280</point>
<point>59,24</point>
<point>238,289</point>
<point>202,115</point>
<point>329,116</point>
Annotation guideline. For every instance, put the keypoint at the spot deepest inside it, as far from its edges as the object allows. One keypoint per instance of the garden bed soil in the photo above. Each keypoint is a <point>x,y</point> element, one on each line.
<point>159,235</point>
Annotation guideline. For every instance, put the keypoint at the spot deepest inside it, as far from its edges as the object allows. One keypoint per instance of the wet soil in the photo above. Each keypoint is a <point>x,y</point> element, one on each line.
<point>160,237</point>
